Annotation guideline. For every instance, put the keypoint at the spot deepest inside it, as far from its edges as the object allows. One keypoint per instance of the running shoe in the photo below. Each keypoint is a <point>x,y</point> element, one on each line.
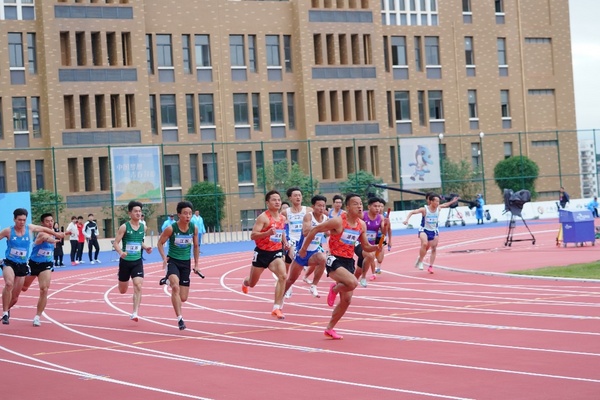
<point>5,320</point>
<point>244,288</point>
<point>134,317</point>
<point>313,290</point>
<point>373,277</point>
<point>277,314</point>
<point>163,281</point>
<point>430,269</point>
<point>420,266</point>
<point>417,263</point>
<point>331,295</point>
<point>288,294</point>
<point>333,334</point>
<point>36,321</point>
<point>378,271</point>
<point>181,324</point>
<point>363,282</point>
<point>307,281</point>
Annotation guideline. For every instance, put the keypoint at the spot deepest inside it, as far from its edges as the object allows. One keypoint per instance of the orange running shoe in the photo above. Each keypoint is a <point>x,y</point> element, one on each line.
<point>244,288</point>
<point>333,334</point>
<point>277,313</point>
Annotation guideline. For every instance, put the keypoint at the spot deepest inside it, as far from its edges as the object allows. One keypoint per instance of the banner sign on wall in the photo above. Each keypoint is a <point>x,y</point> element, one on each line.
<point>136,174</point>
<point>420,163</point>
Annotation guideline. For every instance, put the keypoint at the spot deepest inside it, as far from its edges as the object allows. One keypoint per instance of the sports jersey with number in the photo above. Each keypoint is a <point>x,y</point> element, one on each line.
<point>373,226</point>
<point>43,252</point>
<point>180,243</point>
<point>132,242</point>
<point>318,239</point>
<point>295,222</point>
<point>17,247</point>
<point>272,242</point>
<point>430,221</point>
<point>342,244</point>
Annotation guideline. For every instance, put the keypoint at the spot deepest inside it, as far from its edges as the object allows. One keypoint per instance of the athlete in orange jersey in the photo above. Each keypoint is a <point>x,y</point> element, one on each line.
<point>269,234</point>
<point>345,230</point>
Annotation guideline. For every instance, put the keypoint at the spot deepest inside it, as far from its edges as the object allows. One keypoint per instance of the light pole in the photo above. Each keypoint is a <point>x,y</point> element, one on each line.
<point>481,135</point>
<point>441,137</point>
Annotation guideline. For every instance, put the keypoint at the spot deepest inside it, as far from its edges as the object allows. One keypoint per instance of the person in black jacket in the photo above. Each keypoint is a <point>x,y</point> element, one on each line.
<point>90,230</point>
<point>563,198</point>
<point>58,249</point>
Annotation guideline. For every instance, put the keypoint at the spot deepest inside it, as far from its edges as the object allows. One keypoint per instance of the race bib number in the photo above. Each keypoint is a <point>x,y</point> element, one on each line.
<point>182,241</point>
<point>133,247</point>
<point>316,242</point>
<point>330,260</point>
<point>277,237</point>
<point>18,253</point>
<point>44,253</point>
<point>255,256</point>
<point>371,236</point>
<point>349,236</point>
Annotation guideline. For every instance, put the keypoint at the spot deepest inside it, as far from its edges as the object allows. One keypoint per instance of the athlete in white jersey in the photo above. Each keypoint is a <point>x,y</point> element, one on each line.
<point>428,232</point>
<point>315,255</point>
<point>295,215</point>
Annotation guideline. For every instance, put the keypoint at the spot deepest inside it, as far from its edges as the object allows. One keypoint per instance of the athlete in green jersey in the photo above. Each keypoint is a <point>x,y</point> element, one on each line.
<point>132,234</point>
<point>182,236</point>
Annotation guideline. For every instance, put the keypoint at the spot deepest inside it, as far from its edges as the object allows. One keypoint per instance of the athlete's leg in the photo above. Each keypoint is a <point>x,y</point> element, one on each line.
<point>18,285</point>
<point>44,281</point>
<point>293,274</point>
<point>318,261</point>
<point>277,267</point>
<point>9,283</point>
<point>137,293</point>
<point>346,283</point>
<point>175,294</point>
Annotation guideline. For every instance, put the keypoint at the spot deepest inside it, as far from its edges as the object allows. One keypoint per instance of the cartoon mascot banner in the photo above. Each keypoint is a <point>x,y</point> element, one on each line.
<point>420,163</point>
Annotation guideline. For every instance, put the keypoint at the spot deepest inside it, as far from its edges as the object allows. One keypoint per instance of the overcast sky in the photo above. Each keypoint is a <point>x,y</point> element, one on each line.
<point>585,38</point>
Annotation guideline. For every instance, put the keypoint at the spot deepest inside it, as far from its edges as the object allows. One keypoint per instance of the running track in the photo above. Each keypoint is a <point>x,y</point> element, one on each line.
<point>408,335</point>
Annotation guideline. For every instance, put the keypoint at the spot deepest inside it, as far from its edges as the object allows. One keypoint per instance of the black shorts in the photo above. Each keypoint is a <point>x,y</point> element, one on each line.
<point>334,262</point>
<point>20,269</point>
<point>264,258</point>
<point>37,267</point>
<point>181,268</point>
<point>358,250</point>
<point>130,269</point>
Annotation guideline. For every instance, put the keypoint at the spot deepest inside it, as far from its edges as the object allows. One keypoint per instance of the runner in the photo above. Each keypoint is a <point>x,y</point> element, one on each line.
<point>376,226</point>
<point>336,209</point>
<point>345,230</point>
<point>388,237</point>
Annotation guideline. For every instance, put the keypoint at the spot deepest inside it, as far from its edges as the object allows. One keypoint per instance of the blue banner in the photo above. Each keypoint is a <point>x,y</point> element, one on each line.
<point>136,174</point>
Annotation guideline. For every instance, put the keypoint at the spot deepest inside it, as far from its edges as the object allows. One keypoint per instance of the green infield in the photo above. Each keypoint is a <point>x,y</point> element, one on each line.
<point>586,271</point>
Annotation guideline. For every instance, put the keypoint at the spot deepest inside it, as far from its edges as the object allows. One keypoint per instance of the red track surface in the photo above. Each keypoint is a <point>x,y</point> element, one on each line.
<point>408,335</point>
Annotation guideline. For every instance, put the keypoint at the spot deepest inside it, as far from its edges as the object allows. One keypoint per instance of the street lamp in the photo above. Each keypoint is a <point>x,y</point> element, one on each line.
<point>441,137</point>
<point>481,135</point>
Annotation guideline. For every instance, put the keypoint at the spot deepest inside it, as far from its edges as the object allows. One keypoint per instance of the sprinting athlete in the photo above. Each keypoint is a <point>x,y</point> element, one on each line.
<point>315,255</point>
<point>131,265</point>
<point>344,230</point>
<point>268,233</point>
<point>375,224</point>
<point>428,232</point>
<point>336,209</point>
<point>388,237</point>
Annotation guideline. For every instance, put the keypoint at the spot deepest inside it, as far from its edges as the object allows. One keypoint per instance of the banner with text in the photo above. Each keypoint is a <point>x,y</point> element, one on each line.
<point>136,174</point>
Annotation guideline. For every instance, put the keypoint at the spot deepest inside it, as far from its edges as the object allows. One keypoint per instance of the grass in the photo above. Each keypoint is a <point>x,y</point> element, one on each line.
<point>586,271</point>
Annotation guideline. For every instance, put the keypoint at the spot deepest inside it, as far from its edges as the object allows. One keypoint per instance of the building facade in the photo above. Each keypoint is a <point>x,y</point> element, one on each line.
<point>225,86</point>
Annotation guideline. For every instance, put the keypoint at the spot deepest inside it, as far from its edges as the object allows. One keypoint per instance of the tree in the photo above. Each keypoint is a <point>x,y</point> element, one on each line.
<point>459,178</point>
<point>358,183</point>
<point>44,201</point>
<point>517,173</point>
<point>210,200</point>
<point>280,177</point>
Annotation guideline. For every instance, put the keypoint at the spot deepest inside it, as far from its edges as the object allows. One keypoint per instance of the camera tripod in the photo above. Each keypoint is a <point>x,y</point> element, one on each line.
<point>511,228</point>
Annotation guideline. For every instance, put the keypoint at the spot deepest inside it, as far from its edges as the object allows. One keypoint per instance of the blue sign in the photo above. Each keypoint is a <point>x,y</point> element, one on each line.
<point>136,174</point>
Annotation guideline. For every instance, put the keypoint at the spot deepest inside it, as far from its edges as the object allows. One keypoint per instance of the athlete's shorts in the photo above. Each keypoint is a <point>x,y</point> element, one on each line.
<point>430,234</point>
<point>37,267</point>
<point>291,253</point>
<point>263,258</point>
<point>334,262</point>
<point>378,239</point>
<point>303,261</point>
<point>130,269</point>
<point>181,268</point>
<point>21,269</point>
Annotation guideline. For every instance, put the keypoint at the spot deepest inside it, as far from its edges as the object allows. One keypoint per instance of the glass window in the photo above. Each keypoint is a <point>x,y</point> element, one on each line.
<point>23,176</point>
<point>421,106</point>
<point>291,111</point>
<point>260,159</point>
<point>35,116</point>
<point>276,108</point>
<point>432,50</point>
<point>194,169</point>
<point>153,115</point>
<point>15,50</point>
<point>279,156</point>
<point>187,54</point>
<point>240,108</point>
<point>20,123</point>
<point>31,53</point>
<point>149,54</point>
<point>209,167</point>
<point>244,166</point>
<point>172,173</point>
<point>39,174</point>
<point>2,176</point>
<point>164,50</point>
<point>472,98</point>
<point>504,104</point>
<point>168,111</point>
<point>207,109</point>
<point>294,156</point>
<point>499,6</point>
<point>508,149</point>
<point>190,112</point>
<point>252,53</point>
<point>402,105</point>
<point>236,50</point>
<point>418,60</point>
<point>202,51</point>
<point>399,50</point>
<point>502,51</point>
<point>475,155</point>
<point>287,52</point>
<point>469,53</point>
<point>256,111</point>
<point>466,6</point>
<point>273,59</point>
<point>436,106</point>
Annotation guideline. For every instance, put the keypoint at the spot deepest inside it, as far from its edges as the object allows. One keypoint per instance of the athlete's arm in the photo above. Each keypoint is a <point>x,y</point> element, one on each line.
<point>261,222</point>
<point>5,233</point>
<point>413,212</point>
<point>334,224</point>
<point>38,228</point>
<point>117,242</point>
<point>366,246</point>
<point>196,249</point>
<point>306,224</point>
<point>164,236</point>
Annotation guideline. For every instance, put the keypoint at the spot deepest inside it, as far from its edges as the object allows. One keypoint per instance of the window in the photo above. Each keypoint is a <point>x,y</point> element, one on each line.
<point>321,106</point>
<point>172,173</point>
<point>402,105</point>
<point>19,108</point>
<point>343,45</point>
<point>65,49</point>
<point>39,174</point>
<point>508,150</point>
<point>149,54</point>
<point>104,173</point>
<point>499,5</point>
<point>294,156</point>
<point>100,111</point>
<point>2,176</point>
<point>394,163</point>
<point>476,156</point>
<point>279,156</point>
<point>409,12</point>
<point>17,10</point>
<point>186,53</point>
<point>418,59</point>
<point>96,49</point>
<point>469,53</point>
<point>240,108</point>
<point>318,48</point>
<point>194,169</point>
<point>244,166</point>
<point>84,111</point>
<point>358,105</point>
<point>371,105</point>
<point>287,52</point>
<point>466,6</point>
<point>273,59</point>
<point>355,45</point>
<point>164,51</point>
<point>325,172</point>
<point>209,167</point>
<point>259,160</point>
<point>168,111</point>
<point>207,109</point>
<point>330,49</point>
<point>31,53</point>
<point>276,108</point>
<point>333,102</point>
<point>421,106</point>
<point>291,111</point>
<point>23,176</point>
<point>1,121</point>
<point>472,98</point>
<point>202,44</point>
<point>252,53</point>
<point>544,143</point>
<point>436,106</point>
<point>432,50</point>
<point>190,112</point>
<point>80,48</point>
<point>111,48</point>
<point>256,111</point>
<point>73,173</point>
<point>130,110</point>
<point>126,48</point>
<point>368,56</point>
<point>236,50</point>
<point>115,110</point>
<point>35,117</point>
<point>15,56</point>
<point>88,174</point>
<point>504,104</point>
<point>502,60</point>
<point>399,51</point>
<point>153,115</point>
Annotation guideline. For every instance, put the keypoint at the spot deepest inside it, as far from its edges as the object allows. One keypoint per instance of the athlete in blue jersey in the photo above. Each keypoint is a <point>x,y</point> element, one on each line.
<point>428,231</point>
<point>15,268</point>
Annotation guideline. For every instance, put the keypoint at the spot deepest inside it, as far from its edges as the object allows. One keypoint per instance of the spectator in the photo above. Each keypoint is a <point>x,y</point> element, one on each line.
<point>90,230</point>
<point>199,222</point>
<point>593,207</point>
<point>168,222</point>
<point>80,240</point>
<point>563,198</point>
<point>479,203</point>
<point>58,249</point>
<point>74,233</point>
